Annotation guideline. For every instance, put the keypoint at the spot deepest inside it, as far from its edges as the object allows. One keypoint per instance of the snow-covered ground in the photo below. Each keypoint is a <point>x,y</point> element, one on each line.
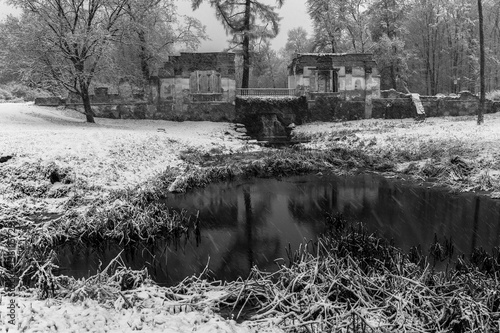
<point>116,154</point>
<point>484,139</point>
<point>151,313</point>
<point>110,152</point>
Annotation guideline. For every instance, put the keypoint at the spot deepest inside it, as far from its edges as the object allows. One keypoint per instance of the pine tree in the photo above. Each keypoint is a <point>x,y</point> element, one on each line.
<point>246,20</point>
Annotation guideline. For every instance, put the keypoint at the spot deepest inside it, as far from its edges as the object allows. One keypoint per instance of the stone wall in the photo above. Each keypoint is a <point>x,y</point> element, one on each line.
<point>335,108</point>
<point>49,101</point>
<point>271,118</point>
<point>196,86</point>
<point>395,105</point>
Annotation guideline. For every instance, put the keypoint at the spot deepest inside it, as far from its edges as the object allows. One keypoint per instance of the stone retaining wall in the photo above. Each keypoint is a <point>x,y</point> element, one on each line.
<point>394,105</point>
<point>271,118</point>
<point>324,107</point>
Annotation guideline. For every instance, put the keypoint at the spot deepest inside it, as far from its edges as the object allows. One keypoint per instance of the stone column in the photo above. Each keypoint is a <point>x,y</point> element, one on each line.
<point>348,81</point>
<point>368,93</point>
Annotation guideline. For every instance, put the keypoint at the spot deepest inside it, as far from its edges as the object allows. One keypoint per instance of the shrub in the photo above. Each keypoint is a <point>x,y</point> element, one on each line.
<point>493,95</point>
<point>27,93</point>
<point>5,95</point>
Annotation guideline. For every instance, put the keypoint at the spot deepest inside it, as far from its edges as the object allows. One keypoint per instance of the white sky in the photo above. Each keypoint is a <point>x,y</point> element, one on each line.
<point>293,13</point>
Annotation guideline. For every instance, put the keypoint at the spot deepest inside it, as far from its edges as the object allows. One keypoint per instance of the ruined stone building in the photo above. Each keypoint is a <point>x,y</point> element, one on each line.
<point>196,85</point>
<point>190,86</point>
<point>347,76</point>
<point>354,75</point>
<point>322,86</point>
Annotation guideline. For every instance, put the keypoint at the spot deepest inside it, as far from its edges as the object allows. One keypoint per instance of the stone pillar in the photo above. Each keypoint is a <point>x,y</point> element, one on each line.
<point>348,81</point>
<point>368,93</point>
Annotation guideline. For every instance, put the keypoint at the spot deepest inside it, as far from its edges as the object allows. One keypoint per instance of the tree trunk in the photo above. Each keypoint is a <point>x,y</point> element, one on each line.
<point>144,56</point>
<point>84,93</point>
<point>333,46</point>
<point>482,98</point>
<point>248,226</point>
<point>246,46</point>
<point>394,82</point>
<point>246,62</point>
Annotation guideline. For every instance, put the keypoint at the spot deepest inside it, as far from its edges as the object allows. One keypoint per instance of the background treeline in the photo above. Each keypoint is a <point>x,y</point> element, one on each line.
<point>427,46</point>
<point>430,46</point>
<point>59,44</point>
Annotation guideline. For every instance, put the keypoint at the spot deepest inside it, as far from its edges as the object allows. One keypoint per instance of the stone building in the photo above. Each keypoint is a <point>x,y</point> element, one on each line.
<point>352,74</point>
<point>196,86</point>
<point>190,86</point>
<point>347,76</point>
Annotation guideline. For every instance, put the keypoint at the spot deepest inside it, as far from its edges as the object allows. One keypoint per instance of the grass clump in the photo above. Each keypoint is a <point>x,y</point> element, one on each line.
<point>353,281</point>
<point>349,280</point>
<point>282,163</point>
<point>35,179</point>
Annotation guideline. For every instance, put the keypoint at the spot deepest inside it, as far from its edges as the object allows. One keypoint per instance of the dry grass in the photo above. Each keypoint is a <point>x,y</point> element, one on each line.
<point>354,282</point>
<point>347,281</point>
<point>71,180</point>
<point>451,151</point>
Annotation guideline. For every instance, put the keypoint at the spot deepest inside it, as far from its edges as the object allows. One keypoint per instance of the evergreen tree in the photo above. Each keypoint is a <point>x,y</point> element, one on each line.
<point>246,20</point>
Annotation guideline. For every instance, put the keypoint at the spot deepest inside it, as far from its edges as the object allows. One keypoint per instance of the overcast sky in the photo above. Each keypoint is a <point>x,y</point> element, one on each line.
<point>293,15</point>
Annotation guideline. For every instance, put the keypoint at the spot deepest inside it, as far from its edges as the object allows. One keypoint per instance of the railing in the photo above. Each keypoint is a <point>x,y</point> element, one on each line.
<point>266,92</point>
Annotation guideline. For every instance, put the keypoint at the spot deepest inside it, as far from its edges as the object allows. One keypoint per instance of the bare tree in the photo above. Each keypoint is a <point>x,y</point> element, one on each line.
<point>152,29</point>
<point>77,35</point>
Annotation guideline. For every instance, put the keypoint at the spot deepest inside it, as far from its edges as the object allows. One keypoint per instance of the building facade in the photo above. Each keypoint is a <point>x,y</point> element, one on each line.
<point>348,75</point>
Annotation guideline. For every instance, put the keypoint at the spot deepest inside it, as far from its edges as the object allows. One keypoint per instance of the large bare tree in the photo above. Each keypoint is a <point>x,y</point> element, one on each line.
<point>77,34</point>
<point>152,29</point>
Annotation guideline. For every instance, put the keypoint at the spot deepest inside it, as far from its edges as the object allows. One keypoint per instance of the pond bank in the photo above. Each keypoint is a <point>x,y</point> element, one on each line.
<point>114,170</point>
<point>257,222</point>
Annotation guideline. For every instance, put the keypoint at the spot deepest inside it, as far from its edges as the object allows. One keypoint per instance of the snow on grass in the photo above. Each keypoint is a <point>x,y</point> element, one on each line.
<point>482,138</point>
<point>91,160</point>
<point>433,141</point>
<point>152,315</point>
<point>111,154</point>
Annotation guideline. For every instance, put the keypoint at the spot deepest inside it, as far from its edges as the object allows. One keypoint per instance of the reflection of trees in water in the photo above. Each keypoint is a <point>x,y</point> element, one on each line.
<point>349,195</point>
<point>411,215</point>
<point>356,195</point>
<point>249,221</point>
<point>238,260</point>
<point>475,226</point>
<point>216,205</point>
<point>311,202</point>
<point>249,250</point>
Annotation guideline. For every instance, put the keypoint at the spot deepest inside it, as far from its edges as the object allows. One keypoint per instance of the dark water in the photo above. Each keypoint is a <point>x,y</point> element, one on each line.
<point>252,222</point>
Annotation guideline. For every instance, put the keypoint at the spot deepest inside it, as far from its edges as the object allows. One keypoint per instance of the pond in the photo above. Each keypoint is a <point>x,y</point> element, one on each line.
<point>253,222</point>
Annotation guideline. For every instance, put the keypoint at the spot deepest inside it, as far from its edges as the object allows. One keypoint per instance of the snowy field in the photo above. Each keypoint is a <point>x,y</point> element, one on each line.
<point>117,154</point>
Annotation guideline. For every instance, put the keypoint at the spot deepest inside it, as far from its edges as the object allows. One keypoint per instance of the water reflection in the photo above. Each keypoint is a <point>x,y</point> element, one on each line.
<point>249,223</point>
